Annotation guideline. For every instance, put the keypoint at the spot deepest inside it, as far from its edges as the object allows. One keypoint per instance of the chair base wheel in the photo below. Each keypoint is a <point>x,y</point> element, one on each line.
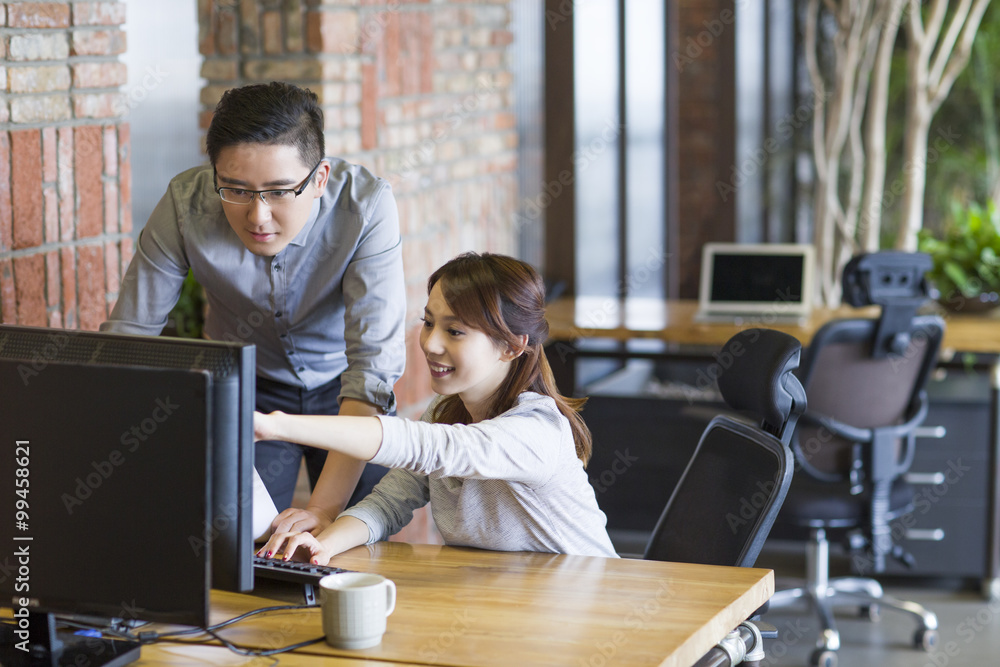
<point>925,639</point>
<point>822,657</point>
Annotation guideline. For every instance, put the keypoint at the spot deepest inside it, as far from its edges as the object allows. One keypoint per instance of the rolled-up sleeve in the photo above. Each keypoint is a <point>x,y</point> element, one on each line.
<point>389,507</point>
<point>375,307</point>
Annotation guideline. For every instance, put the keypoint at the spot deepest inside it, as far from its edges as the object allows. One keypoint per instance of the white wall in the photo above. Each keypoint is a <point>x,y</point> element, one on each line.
<point>162,97</point>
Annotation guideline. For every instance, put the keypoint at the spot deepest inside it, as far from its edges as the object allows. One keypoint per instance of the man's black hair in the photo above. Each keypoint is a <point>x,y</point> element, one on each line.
<point>273,113</point>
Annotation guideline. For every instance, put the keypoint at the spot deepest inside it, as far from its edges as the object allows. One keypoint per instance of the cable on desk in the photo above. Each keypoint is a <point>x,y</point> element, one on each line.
<point>250,651</point>
<point>212,630</point>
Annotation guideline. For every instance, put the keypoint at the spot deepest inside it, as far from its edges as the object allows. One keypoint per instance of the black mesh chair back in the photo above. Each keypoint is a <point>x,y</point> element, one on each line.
<point>723,507</point>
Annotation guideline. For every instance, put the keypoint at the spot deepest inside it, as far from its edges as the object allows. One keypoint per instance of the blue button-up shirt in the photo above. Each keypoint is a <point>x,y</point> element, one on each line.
<point>331,303</point>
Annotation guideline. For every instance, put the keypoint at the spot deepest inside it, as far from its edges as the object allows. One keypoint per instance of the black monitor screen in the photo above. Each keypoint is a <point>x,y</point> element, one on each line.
<point>757,278</point>
<point>105,477</point>
<point>230,403</point>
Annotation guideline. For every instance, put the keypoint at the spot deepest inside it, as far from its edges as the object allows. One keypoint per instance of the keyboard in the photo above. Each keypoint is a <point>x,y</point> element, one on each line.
<point>306,574</point>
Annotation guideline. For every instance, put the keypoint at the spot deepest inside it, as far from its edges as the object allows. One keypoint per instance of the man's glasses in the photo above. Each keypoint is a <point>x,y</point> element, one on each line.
<point>269,197</point>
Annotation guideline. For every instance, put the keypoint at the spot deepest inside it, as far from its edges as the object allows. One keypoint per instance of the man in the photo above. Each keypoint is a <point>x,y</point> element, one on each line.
<point>298,254</point>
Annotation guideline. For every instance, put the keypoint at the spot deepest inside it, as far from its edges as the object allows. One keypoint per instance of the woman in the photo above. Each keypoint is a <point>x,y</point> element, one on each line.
<point>502,458</point>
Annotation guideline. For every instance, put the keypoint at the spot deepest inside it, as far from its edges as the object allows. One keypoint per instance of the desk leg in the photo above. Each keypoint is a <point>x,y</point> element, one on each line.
<point>991,584</point>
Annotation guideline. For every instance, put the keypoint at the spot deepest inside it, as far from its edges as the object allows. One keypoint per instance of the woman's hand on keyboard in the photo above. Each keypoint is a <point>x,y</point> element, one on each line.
<point>343,534</point>
<point>297,546</point>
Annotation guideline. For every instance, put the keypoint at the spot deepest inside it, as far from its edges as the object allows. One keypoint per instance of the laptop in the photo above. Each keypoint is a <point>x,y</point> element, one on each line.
<point>756,283</point>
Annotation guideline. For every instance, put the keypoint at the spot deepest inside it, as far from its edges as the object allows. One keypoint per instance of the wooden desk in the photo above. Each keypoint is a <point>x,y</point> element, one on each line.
<point>575,320</point>
<point>462,607</point>
<point>572,319</point>
<point>171,655</point>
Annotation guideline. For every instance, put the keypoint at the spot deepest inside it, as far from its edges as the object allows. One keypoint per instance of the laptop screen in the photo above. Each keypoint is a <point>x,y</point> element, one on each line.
<point>761,278</point>
<point>756,278</point>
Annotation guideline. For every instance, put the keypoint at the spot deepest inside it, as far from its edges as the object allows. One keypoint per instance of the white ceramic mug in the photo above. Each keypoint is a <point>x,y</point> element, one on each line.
<point>355,607</point>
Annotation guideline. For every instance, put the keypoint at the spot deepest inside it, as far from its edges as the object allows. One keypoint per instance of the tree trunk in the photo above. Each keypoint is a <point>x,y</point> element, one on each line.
<point>873,200</point>
<point>857,94</point>
<point>839,111</point>
<point>932,67</point>
<point>917,124</point>
<point>986,95</point>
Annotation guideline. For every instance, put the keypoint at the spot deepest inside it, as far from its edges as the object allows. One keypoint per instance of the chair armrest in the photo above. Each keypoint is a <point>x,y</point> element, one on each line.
<point>838,428</point>
<point>879,459</point>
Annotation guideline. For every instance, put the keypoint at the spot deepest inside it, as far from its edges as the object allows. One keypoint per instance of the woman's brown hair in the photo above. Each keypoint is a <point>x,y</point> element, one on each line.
<point>505,299</point>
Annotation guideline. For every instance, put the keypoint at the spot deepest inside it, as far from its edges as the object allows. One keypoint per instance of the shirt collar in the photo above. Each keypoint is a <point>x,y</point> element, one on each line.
<point>300,238</point>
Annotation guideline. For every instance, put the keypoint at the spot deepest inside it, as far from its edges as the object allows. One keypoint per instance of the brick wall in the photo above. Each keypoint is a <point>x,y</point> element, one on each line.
<point>418,92</point>
<point>64,171</point>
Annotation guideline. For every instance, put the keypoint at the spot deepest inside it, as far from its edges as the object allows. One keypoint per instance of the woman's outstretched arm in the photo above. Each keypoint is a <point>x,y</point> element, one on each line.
<point>357,437</point>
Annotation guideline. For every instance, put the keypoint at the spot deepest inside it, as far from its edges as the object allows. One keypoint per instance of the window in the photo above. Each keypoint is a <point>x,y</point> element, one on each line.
<point>607,146</point>
<point>161,99</point>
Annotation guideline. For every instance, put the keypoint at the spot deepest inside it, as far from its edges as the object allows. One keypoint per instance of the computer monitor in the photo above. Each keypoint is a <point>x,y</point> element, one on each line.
<point>128,467</point>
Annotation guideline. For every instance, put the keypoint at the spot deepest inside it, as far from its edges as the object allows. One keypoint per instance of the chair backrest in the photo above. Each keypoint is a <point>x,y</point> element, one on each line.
<point>849,388</point>
<point>866,378</point>
<point>726,501</point>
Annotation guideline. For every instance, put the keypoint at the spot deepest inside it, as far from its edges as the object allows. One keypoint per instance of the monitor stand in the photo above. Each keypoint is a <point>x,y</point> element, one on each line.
<point>48,648</point>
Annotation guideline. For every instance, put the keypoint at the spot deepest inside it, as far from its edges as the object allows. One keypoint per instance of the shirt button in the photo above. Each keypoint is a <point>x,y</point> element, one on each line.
<point>278,314</point>
<point>300,368</point>
<point>277,267</point>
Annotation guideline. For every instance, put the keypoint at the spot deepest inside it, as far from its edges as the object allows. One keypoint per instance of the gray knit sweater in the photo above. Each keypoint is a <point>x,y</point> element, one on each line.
<point>511,483</point>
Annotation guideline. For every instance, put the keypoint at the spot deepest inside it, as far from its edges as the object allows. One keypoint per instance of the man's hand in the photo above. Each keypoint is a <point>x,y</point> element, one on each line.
<point>295,520</point>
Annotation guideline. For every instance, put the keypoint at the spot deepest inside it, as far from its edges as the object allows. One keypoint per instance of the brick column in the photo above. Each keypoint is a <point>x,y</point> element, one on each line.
<point>704,61</point>
<point>64,173</point>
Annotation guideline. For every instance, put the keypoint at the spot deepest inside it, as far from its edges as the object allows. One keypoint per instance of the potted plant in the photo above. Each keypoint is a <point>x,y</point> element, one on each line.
<point>966,258</point>
<point>187,318</point>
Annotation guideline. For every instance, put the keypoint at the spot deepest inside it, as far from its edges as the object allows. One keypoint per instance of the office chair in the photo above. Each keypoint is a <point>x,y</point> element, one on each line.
<point>729,494</point>
<point>722,508</point>
<point>865,381</point>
